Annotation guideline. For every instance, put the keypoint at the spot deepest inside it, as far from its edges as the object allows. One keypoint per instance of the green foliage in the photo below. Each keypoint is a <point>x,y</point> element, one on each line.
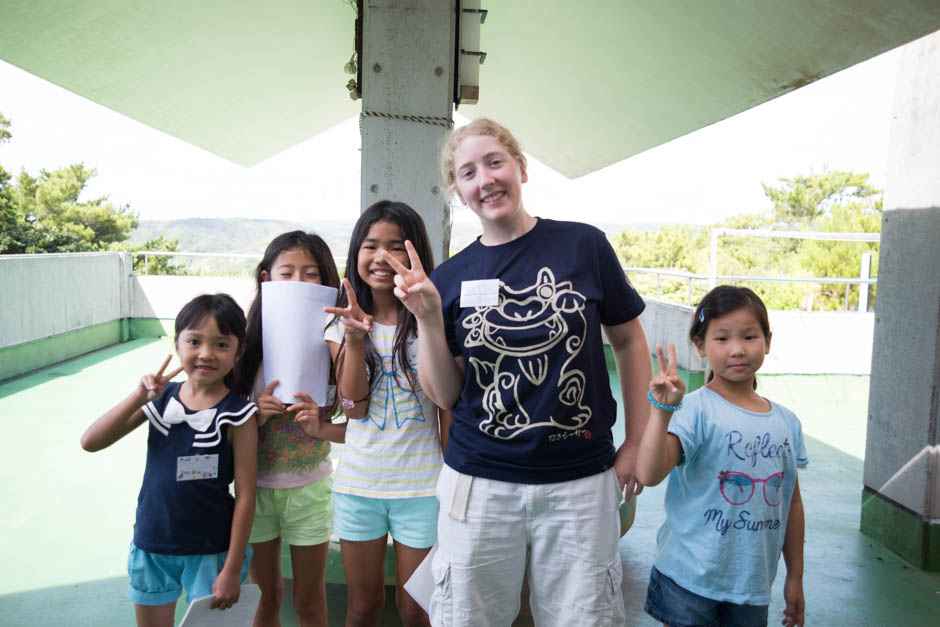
<point>44,214</point>
<point>153,264</point>
<point>801,200</point>
<point>5,134</point>
<point>835,201</point>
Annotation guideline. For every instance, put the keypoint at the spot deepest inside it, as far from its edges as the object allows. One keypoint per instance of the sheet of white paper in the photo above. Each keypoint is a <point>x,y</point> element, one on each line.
<point>242,614</point>
<point>292,322</point>
<point>421,583</point>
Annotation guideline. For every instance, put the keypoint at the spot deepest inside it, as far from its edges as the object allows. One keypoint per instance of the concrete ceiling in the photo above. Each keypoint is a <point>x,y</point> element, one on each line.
<point>585,84</point>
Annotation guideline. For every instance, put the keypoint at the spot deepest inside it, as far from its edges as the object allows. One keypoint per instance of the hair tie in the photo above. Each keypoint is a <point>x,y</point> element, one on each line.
<point>701,315</point>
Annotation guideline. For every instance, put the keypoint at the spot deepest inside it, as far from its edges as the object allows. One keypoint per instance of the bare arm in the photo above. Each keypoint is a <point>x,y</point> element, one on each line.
<point>444,418</point>
<point>127,415</point>
<point>793,558</point>
<point>441,374</point>
<point>227,585</point>
<point>660,450</point>
<point>332,431</point>
<point>352,384</point>
<point>634,370</point>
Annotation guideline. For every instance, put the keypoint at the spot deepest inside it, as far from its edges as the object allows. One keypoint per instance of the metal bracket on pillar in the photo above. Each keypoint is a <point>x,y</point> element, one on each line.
<point>468,54</point>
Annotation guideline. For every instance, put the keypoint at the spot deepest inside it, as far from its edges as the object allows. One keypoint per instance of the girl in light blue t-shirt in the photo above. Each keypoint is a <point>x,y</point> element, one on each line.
<point>731,456</point>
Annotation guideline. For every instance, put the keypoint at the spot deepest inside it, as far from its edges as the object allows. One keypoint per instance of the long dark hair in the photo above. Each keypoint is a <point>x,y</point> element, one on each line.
<point>412,229</point>
<point>228,316</point>
<point>721,301</point>
<point>247,367</point>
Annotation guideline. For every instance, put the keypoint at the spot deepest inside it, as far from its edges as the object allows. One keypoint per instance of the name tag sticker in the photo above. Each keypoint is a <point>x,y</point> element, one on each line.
<point>192,467</point>
<point>483,293</point>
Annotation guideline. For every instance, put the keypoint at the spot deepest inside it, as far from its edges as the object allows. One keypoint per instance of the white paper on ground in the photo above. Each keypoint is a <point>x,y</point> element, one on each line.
<point>292,322</point>
<point>241,614</point>
<point>421,583</point>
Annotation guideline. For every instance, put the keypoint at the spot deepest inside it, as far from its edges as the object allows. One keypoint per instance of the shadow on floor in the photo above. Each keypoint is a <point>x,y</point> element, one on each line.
<point>72,366</point>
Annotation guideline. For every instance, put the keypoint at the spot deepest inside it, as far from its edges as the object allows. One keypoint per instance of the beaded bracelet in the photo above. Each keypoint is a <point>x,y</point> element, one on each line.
<point>348,403</point>
<point>663,406</point>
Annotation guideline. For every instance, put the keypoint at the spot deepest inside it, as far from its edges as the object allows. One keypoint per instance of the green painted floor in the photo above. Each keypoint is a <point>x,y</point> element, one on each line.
<point>68,514</point>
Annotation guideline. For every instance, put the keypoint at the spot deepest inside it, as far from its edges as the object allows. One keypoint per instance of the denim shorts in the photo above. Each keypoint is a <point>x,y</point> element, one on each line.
<point>157,579</point>
<point>674,606</point>
<point>411,521</point>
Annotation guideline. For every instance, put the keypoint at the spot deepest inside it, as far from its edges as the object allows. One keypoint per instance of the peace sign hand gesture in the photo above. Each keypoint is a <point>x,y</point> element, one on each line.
<point>412,285</point>
<point>666,387</point>
<point>356,322</point>
<point>151,385</point>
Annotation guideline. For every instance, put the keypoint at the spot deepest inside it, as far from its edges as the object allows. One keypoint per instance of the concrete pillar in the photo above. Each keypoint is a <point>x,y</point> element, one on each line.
<point>901,497</point>
<point>407,103</point>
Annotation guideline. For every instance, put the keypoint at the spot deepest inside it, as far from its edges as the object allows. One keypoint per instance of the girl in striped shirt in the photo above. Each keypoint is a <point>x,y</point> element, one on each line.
<point>386,478</point>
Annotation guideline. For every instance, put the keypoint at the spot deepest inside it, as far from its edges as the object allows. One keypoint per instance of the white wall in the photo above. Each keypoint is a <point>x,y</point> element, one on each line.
<point>164,296</point>
<point>45,295</point>
<point>803,342</point>
<point>812,342</point>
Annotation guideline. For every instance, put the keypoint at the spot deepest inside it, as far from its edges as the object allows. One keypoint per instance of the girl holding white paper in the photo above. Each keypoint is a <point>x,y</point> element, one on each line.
<point>190,532</point>
<point>294,470</point>
<point>386,477</point>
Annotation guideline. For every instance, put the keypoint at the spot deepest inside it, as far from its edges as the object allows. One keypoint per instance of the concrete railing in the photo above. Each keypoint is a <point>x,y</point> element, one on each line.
<point>47,295</point>
<point>803,342</point>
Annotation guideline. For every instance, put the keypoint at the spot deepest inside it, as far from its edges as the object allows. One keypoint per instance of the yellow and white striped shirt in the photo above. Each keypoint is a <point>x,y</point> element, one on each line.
<point>395,451</point>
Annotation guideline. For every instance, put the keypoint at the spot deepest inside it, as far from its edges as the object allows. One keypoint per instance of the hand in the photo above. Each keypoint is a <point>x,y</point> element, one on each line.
<point>308,414</point>
<point>412,285</point>
<point>793,595</point>
<point>666,387</point>
<point>356,322</point>
<point>151,385</point>
<point>268,404</point>
<point>225,590</point>
<point>625,467</point>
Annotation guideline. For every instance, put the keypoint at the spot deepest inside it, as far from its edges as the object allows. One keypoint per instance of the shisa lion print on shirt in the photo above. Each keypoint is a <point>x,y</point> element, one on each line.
<point>534,334</point>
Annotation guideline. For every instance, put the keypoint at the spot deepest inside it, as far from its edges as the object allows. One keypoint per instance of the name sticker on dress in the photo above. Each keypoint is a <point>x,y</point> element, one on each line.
<point>191,467</point>
<point>483,293</point>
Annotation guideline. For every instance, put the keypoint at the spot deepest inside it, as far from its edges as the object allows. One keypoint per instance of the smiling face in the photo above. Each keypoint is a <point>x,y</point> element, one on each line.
<point>206,354</point>
<point>489,180</point>
<point>373,271</point>
<point>735,346</point>
<point>296,264</point>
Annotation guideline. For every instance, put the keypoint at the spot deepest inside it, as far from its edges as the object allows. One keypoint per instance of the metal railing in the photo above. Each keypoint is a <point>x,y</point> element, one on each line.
<point>711,279</point>
<point>340,261</point>
<point>689,277</point>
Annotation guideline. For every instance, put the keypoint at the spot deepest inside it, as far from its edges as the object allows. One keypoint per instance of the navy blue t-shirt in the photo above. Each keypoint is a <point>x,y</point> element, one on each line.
<point>536,405</point>
<point>187,517</point>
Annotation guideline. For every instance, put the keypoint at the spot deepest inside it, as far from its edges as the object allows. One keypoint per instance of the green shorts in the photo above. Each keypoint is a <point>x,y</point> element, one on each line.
<point>302,516</point>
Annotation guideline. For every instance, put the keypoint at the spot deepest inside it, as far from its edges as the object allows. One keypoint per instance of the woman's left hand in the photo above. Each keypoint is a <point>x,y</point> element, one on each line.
<point>308,414</point>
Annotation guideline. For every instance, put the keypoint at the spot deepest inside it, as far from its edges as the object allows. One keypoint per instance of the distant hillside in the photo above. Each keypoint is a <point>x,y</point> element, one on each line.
<point>237,235</point>
<point>243,235</point>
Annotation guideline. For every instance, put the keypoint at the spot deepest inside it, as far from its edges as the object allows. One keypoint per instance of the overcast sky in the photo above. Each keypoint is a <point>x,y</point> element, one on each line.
<point>840,122</point>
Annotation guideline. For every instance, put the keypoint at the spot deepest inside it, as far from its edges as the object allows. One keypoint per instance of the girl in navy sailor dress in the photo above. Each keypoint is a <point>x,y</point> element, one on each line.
<point>190,532</point>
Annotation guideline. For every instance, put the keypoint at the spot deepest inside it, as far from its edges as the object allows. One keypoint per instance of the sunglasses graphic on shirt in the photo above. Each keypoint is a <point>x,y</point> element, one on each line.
<point>738,487</point>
